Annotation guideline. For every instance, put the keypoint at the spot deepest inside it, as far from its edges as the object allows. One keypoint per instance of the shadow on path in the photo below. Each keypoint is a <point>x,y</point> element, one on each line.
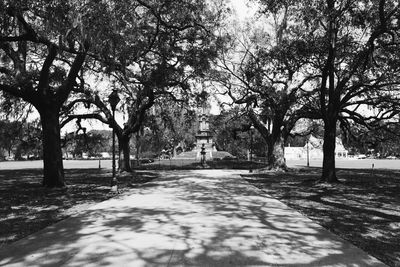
<point>187,218</point>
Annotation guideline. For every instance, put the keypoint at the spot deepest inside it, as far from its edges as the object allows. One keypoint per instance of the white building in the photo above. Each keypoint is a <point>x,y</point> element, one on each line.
<point>314,147</point>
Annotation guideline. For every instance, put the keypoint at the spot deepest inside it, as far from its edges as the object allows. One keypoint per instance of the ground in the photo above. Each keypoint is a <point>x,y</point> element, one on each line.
<point>363,209</point>
<point>27,207</point>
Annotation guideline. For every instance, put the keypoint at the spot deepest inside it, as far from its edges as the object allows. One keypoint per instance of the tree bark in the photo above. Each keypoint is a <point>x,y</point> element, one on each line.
<point>124,161</point>
<point>328,164</point>
<point>275,139</point>
<point>276,153</point>
<point>53,169</point>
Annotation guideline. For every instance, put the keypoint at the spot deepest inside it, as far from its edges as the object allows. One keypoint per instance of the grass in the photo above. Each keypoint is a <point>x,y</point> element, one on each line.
<point>363,209</point>
<point>26,207</point>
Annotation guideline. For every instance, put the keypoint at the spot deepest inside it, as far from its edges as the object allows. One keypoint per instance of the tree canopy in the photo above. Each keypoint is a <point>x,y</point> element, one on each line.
<point>47,48</point>
<point>352,47</point>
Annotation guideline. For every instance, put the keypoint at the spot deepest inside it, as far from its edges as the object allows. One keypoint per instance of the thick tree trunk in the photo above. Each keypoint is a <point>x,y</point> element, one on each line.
<point>276,153</point>
<point>275,141</point>
<point>53,169</point>
<point>124,161</point>
<point>328,164</point>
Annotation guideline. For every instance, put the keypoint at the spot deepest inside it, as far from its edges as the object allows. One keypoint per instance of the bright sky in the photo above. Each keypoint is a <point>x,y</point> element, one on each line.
<point>243,8</point>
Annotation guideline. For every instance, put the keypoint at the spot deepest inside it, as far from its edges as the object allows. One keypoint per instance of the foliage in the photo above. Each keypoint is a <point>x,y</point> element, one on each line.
<point>379,142</point>
<point>171,125</point>
<point>43,46</point>
<point>21,139</point>
<point>158,50</point>
<point>143,48</point>
<point>352,47</point>
<point>93,143</point>
<point>263,71</point>
<point>231,131</point>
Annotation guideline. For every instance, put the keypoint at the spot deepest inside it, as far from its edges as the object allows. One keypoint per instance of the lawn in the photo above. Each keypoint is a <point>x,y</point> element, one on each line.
<point>363,209</point>
<point>26,207</point>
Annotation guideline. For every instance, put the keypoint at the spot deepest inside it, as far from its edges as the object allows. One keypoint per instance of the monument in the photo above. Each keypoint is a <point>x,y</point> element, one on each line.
<point>204,139</point>
<point>204,135</point>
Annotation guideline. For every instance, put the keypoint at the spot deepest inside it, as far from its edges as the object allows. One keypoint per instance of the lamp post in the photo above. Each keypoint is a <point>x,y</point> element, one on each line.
<point>251,148</point>
<point>113,99</point>
<point>308,154</point>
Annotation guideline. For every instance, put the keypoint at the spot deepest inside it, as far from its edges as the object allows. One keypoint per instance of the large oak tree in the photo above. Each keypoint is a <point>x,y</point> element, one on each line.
<point>170,45</point>
<point>264,71</point>
<point>354,61</point>
<point>43,47</point>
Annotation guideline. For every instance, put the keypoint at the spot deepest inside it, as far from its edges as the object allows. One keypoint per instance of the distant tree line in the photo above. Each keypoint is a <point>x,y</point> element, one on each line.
<point>20,140</point>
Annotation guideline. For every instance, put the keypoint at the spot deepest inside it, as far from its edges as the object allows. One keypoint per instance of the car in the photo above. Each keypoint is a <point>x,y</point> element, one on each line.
<point>391,157</point>
<point>361,156</point>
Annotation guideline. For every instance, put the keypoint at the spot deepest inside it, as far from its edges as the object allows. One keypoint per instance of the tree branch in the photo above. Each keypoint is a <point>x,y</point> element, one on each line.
<point>45,71</point>
<point>83,116</point>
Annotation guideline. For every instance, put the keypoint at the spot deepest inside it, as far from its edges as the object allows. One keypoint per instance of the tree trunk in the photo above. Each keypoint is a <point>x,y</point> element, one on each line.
<point>53,169</point>
<point>124,161</point>
<point>328,164</point>
<point>276,153</point>
<point>275,141</point>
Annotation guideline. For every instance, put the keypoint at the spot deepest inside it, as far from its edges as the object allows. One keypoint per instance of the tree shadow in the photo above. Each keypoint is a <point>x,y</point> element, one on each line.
<point>186,218</point>
<point>26,206</point>
<point>364,208</point>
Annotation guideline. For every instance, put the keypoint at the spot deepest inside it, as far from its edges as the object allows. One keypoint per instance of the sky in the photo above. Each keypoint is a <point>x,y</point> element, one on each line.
<point>244,8</point>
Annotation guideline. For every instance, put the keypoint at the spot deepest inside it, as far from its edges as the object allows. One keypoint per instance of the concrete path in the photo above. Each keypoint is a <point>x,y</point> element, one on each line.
<point>187,218</point>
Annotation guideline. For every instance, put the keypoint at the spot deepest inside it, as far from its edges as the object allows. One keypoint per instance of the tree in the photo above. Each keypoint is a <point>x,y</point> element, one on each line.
<point>172,124</point>
<point>171,45</point>
<point>354,49</point>
<point>93,142</point>
<point>21,138</point>
<point>380,142</point>
<point>231,131</point>
<point>264,72</point>
<point>9,132</point>
<point>13,108</point>
<point>43,47</point>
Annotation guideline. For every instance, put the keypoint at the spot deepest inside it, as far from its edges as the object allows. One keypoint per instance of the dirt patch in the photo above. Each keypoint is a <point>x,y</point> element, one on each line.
<point>26,207</point>
<point>363,209</point>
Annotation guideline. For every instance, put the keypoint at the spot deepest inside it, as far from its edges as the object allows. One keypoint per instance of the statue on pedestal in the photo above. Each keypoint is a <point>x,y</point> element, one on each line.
<point>204,136</point>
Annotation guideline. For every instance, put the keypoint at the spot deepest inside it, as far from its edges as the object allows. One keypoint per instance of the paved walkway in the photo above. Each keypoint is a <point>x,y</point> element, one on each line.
<point>187,218</point>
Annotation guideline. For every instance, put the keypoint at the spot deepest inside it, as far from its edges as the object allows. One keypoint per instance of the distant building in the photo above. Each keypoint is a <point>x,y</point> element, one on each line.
<point>314,149</point>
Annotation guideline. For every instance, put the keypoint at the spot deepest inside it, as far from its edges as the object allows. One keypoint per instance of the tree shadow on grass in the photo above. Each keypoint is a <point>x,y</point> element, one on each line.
<point>186,218</point>
<point>26,206</point>
<point>364,208</point>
